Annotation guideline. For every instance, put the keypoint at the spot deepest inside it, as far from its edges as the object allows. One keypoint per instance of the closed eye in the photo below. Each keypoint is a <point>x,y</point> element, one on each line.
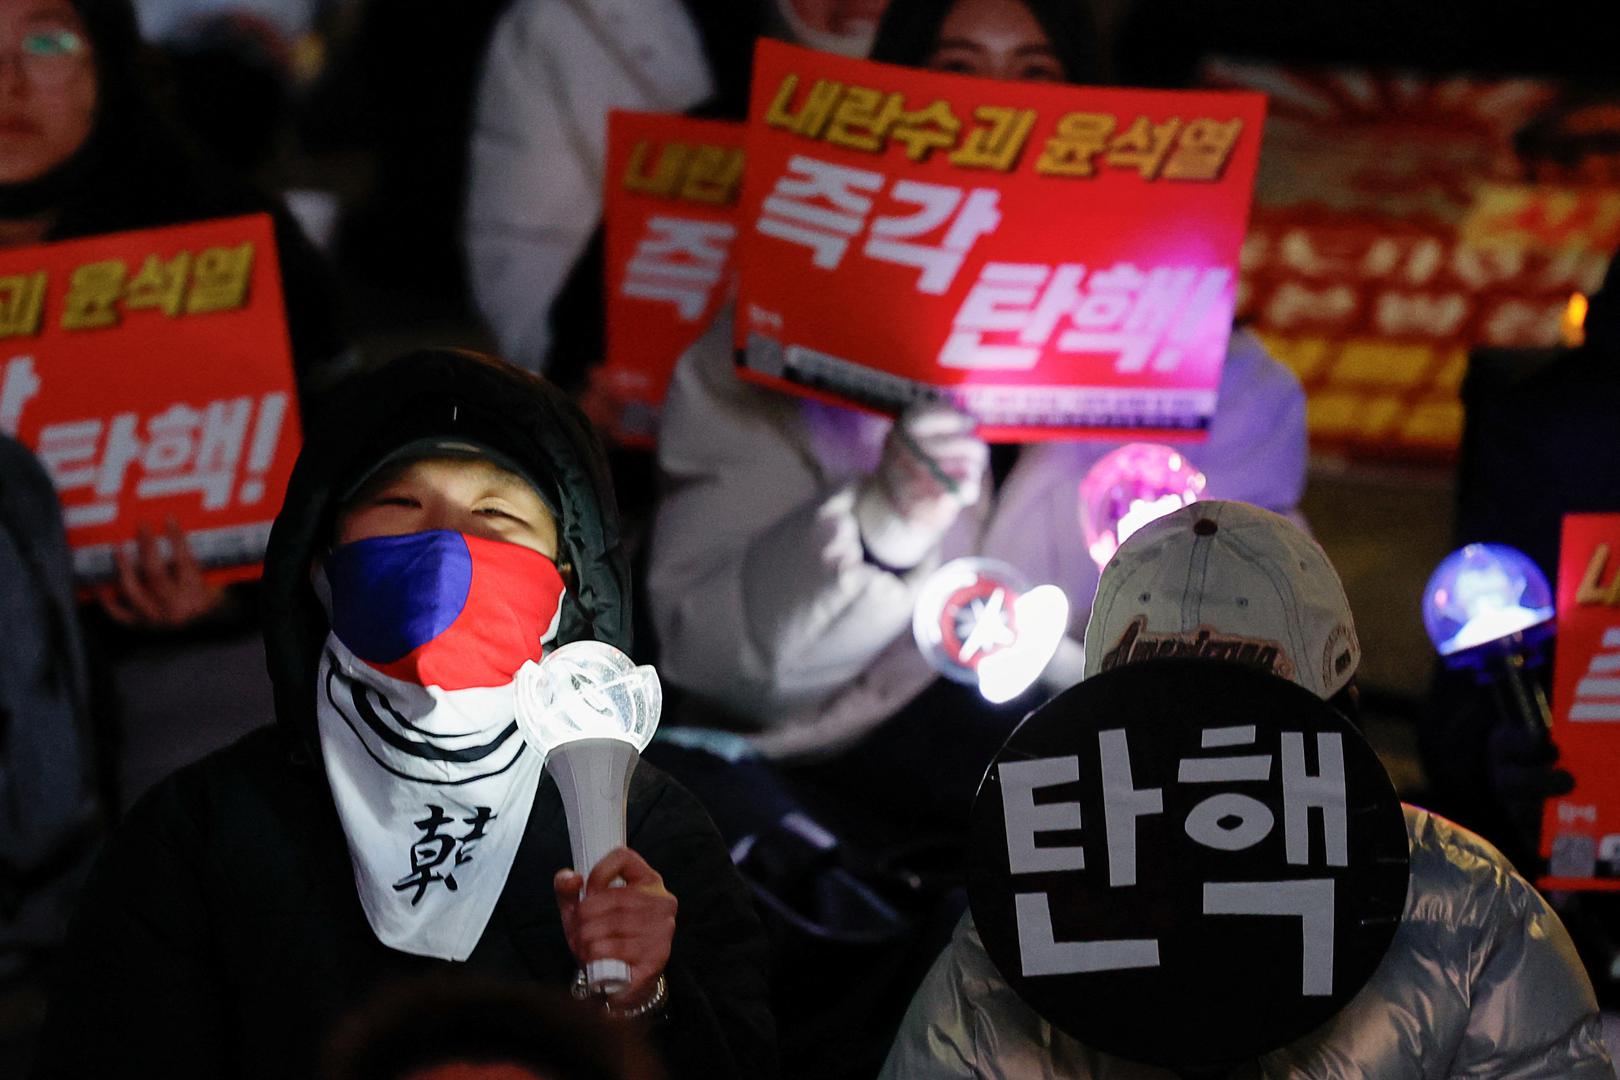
<point>1041,72</point>
<point>395,500</point>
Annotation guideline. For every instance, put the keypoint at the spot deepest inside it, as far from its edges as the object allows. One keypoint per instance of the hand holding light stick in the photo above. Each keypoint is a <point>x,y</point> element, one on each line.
<point>590,711</point>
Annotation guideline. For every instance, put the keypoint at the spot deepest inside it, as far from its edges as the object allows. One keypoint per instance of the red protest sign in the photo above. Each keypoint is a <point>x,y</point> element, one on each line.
<point>1054,259</point>
<point>1581,831</point>
<point>669,219</point>
<point>151,373</point>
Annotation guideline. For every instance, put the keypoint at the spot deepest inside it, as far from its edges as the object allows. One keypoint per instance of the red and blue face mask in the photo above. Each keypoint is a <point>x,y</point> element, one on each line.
<point>442,608</point>
<point>415,706</point>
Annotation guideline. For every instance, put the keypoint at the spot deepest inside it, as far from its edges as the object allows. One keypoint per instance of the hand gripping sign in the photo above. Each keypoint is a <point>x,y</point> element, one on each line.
<point>1050,259</point>
<point>1186,863</point>
<point>151,374</point>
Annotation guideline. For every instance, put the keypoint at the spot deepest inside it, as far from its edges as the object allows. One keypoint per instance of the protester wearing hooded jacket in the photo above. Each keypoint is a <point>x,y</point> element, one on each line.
<point>1481,978</point>
<point>229,925</point>
<point>766,602</point>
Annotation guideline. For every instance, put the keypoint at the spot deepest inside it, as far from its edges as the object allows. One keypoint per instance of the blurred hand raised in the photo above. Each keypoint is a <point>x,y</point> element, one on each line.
<point>158,593</point>
<point>932,466</point>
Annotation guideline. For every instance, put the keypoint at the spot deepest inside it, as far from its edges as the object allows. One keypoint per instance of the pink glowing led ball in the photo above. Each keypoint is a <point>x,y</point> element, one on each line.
<point>1130,487</point>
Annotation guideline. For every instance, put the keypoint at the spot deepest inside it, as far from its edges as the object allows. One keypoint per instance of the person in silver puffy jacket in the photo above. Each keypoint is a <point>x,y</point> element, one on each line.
<point>1481,979</point>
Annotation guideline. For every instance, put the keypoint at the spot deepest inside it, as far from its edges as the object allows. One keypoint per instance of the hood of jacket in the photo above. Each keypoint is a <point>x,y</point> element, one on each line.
<point>427,394</point>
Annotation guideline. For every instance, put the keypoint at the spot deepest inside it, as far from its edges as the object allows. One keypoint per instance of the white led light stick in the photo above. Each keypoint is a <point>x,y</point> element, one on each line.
<point>591,712</point>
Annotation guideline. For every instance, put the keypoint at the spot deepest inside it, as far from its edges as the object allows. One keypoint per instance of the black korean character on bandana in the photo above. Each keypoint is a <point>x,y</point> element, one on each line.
<point>481,817</point>
<point>434,849</point>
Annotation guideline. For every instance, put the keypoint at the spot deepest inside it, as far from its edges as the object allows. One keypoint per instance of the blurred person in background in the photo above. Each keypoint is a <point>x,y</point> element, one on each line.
<point>394,823</point>
<point>1540,441</point>
<point>795,536</point>
<point>388,119</point>
<point>553,72</point>
<point>86,149</point>
<point>788,551</point>
<point>50,816</point>
<point>472,1029</point>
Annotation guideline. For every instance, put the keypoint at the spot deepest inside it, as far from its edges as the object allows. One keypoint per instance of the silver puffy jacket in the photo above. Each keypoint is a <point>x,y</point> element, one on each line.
<point>1480,981</point>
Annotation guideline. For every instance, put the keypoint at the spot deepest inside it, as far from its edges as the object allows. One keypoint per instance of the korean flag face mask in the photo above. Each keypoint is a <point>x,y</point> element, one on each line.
<point>414,702</point>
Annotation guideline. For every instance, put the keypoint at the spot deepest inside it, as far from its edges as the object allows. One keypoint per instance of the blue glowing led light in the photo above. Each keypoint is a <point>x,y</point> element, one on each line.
<point>1481,594</point>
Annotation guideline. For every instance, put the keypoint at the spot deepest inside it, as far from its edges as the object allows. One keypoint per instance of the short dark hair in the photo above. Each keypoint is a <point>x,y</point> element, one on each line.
<point>420,1024</point>
<point>910,30</point>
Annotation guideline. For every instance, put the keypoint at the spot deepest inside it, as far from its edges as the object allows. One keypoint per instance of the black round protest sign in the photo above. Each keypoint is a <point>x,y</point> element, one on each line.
<point>1187,862</point>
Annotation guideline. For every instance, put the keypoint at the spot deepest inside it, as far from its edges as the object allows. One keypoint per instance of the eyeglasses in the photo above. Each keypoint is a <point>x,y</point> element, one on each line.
<point>49,58</point>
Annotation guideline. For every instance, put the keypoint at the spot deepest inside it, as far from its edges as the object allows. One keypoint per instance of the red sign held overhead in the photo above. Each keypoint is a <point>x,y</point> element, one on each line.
<point>670,209</point>
<point>151,374</point>
<point>1053,259</point>
<point>1580,836</point>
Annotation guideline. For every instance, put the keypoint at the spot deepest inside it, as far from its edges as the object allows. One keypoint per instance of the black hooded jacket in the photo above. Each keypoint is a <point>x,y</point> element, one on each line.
<point>222,935</point>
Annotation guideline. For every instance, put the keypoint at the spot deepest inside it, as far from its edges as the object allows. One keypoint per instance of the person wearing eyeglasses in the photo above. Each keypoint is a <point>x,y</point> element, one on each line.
<point>47,106</point>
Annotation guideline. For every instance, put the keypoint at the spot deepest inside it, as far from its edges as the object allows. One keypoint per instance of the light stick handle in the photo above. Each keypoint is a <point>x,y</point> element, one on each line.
<point>593,777</point>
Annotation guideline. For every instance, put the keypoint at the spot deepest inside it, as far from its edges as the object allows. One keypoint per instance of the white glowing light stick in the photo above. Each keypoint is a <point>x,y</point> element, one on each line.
<point>978,622</point>
<point>591,712</point>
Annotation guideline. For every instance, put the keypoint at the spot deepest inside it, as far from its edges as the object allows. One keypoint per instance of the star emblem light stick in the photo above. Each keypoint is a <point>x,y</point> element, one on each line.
<point>590,711</point>
<point>978,622</point>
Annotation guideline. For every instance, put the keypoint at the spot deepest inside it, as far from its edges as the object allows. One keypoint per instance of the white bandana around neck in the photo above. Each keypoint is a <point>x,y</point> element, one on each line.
<point>433,785</point>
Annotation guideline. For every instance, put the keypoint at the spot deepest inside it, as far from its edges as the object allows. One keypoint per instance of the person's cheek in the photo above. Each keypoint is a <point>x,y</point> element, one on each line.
<point>67,117</point>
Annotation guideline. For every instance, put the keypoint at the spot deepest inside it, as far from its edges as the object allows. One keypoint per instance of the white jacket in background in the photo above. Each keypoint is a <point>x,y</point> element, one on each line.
<point>764,605</point>
<point>1480,982</point>
<point>553,71</point>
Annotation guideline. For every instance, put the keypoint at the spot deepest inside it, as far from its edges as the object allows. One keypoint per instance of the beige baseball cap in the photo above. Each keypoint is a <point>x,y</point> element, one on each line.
<point>1225,581</point>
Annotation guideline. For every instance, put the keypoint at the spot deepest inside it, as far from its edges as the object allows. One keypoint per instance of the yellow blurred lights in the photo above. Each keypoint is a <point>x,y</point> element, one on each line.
<point>1573,327</point>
